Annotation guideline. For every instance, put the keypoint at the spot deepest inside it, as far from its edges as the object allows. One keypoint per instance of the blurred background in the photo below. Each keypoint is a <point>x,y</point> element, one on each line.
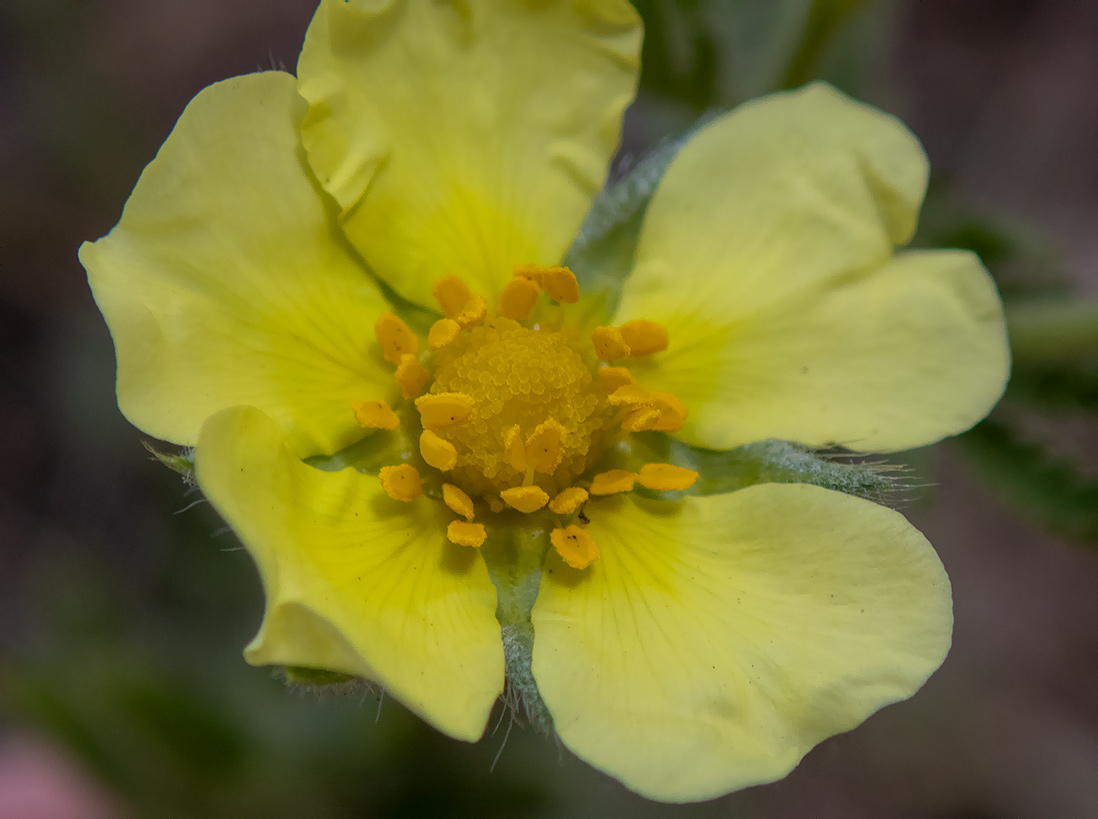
<point>123,610</point>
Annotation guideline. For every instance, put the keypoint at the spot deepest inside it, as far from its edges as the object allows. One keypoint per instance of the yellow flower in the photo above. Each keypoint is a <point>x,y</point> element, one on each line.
<point>435,155</point>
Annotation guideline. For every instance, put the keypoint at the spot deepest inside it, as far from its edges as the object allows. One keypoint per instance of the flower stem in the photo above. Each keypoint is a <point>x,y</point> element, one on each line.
<point>1053,330</point>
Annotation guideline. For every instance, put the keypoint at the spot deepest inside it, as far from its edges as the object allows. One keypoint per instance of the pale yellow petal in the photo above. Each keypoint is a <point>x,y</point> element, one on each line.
<point>715,642</point>
<point>896,360</point>
<point>223,284</point>
<point>465,138</point>
<point>356,582</point>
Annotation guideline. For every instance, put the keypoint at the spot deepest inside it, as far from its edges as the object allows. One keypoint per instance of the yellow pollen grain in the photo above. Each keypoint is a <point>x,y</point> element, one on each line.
<point>401,482</point>
<point>375,415</point>
<point>568,501</point>
<point>614,377</point>
<point>612,482</point>
<point>561,285</point>
<point>457,500</point>
<point>544,446</point>
<point>444,409</point>
<point>472,313</point>
<point>575,546</point>
<point>466,534</point>
<point>518,299</point>
<point>643,337</point>
<point>608,343</point>
<point>666,477</point>
<point>514,453</point>
<point>395,337</point>
<point>411,376</point>
<point>452,295</point>
<point>525,498</point>
<point>442,334</point>
<point>640,419</point>
<point>437,451</point>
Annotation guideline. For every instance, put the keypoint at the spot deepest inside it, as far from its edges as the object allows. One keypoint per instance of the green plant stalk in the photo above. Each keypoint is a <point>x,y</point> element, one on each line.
<point>1053,330</point>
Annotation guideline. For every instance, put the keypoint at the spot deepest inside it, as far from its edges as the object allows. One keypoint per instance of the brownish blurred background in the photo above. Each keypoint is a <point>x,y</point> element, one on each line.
<point>122,690</point>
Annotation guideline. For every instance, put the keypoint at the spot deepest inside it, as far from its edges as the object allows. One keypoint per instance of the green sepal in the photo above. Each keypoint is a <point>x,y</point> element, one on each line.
<point>180,462</point>
<point>317,677</point>
<point>770,461</point>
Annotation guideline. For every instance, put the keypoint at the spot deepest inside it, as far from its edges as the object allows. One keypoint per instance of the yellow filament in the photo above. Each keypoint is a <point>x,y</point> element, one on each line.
<point>568,501</point>
<point>666,477</point>
<point>444,409</point>
<point>525,498</point>
<point>519,296</point>
<point>395,338</point>
<point>442,334</point>
<point>437,451</point>
<point>514,453</point>
<point>608,343</point>
<point>411,376</point>
<point>612,482</point>
<point>457,500</point>
<point>401,482</point>
<point>614,377</point>
<point>575,546</point>
<point>643,337</point>
<point>375,415</point>
<point>466,534</point>
<point>452,295</point>
<point>543,446</point>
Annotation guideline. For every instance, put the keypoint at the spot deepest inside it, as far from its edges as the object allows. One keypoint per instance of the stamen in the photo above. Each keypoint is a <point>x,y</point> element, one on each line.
<point>375,415</point>
<point>514,453</point>
<point>561,285</point>
<point>543,446</point>
<point>472,313</point>
<point>437,451</point>
<point>457,500</point>
<point>519,296</point>
<point>644,337</point>
<point>614,377</point>
<point>526,499</point>
<point>568,501</point>
<point>444,409</point>
<point>640,419</point>
<point>452,294</point>
<point>575,546</point>
<point>631,395</point>
<point>609,344</point>
<point>395,338</point>
<point>411,376</point>
<point>672,411</point>
<point>401,482</point>
<point>666,477</point>
<point>466,534</point>
<point>442,334</point>
<point>533,272</point>
<point>612,482</point>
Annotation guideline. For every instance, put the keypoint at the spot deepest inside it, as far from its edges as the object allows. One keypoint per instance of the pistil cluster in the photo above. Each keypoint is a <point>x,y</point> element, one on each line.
<point>513,415</point>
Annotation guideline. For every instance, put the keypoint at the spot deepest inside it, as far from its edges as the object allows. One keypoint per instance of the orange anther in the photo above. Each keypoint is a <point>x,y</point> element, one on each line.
<point>519,296</point>
<point>452,295</point>
<point>533,272</point>
<point>630,395</point>
<point>457,500</point>
<point>375,415</point>
<point>561,285</point>
<point>472,313</point>
<point>613,377</point>
<point>643,337</point>
<point>640,419</point>
<point>395,338</point>
<point>526,499</point>
<point>672,411</point>
<point>612,482</point>
<point>666,477</point>
<point>442,334</point>
<point>568,501</point>
<point>608,343</point>
<point>466,534</point>
<point>444,409</point>
<point>411,376</point>
<point>437,451</point>
<point>544,446</point>
<point>401,482</point>
<point>575,546</point>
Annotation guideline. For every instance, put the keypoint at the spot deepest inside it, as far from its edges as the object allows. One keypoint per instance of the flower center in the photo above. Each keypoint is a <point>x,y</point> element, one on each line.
<point>518,377</point>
